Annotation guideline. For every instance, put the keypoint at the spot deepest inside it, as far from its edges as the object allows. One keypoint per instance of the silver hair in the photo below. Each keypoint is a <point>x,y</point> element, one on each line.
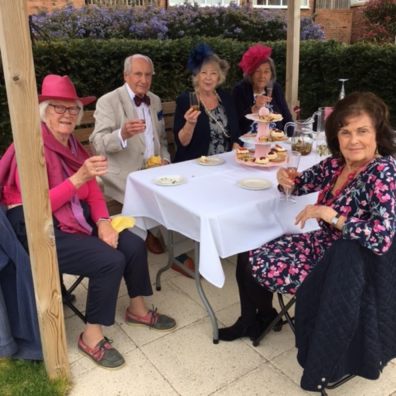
<point>221,65</point>
<point>270,61</point>
<point>128,62</point>
<point>43,111</point>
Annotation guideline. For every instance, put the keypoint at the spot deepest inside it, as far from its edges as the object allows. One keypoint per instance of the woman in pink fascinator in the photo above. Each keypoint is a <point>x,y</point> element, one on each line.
<point>259,88</point>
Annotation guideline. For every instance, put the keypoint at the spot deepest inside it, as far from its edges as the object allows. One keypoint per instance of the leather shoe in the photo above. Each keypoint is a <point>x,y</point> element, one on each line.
<point>188,263</point>
<point>153,244</point>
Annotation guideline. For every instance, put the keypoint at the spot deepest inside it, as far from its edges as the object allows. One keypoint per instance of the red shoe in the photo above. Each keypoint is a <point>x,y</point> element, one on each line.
<point>188,263</point>
<point>103,354</point>
<point>153,244</point>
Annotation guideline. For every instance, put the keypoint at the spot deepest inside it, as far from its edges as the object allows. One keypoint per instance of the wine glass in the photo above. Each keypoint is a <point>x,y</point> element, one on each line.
<point>342,91</point>
<point>194,101</point>
<point>269,89</point>
<point>293,160</point>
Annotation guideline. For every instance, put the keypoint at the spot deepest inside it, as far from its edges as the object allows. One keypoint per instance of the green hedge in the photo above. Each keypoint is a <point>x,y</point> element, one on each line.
<point>96,68</point>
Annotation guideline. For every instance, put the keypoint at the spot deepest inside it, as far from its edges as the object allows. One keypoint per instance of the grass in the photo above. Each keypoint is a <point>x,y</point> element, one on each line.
<point>25,378</point>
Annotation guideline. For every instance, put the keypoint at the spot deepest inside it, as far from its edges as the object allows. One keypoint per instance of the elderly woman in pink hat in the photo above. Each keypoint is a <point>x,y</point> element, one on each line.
<point>86,242</point>
<point>259,88</point>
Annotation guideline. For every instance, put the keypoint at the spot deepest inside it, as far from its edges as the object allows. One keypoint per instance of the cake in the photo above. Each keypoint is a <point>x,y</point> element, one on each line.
<point>272,155</point>
<point>279,149</point>
<point>281,153</point>
<point>269,117</point>
<point>242,153</point>
<point>262,160</point>
<point>277,134</point>
<point>154,160</point>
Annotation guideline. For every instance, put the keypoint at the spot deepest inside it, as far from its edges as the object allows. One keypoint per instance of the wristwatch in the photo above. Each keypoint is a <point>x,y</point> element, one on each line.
<point>335,219</point>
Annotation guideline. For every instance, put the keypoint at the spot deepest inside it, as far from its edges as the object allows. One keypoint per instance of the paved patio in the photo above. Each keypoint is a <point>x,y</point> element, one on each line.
<point>186,362</point>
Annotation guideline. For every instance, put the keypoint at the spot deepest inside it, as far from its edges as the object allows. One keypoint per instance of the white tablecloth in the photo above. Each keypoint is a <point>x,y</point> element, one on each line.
<point>213,209</point>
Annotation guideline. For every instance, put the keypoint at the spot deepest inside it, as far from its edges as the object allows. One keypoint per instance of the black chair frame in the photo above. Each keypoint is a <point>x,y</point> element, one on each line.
<point>68,298</point>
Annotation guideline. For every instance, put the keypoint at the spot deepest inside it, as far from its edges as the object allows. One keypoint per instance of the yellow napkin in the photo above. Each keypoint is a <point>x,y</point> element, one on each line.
<point>120,223</point>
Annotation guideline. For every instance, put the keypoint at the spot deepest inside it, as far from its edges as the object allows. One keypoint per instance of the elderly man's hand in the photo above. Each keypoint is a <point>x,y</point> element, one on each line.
<point>132,128</point>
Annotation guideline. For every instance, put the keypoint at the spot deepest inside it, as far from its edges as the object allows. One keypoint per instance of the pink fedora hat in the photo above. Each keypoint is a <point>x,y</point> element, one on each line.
<point>62,88</point>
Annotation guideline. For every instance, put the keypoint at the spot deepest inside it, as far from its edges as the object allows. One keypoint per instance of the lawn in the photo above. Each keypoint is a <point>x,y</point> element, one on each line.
<point>25,378</point>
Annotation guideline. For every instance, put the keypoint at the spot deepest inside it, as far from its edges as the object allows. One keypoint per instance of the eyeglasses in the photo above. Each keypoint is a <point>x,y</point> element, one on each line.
<point>60,109</point>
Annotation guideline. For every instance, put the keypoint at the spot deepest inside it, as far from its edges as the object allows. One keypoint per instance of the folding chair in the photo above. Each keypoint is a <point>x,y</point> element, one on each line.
<point>68,298</point>
<point>274,325</point>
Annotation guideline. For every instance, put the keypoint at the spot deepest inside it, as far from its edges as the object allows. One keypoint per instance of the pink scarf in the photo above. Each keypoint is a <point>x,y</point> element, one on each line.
<point>62,162</point>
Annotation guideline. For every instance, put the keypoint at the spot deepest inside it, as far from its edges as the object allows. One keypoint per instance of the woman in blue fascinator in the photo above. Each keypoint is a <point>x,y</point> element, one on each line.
<point>205,119</point>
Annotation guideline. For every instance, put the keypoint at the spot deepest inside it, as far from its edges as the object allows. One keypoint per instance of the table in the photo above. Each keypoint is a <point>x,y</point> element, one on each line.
<point>213,210</point>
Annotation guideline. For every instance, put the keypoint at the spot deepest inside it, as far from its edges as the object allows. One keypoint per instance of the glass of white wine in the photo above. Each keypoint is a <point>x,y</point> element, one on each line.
<point>194,101</point>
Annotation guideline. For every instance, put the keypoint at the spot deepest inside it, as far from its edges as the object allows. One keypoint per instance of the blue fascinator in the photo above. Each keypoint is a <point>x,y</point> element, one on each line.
<point>198,56</point>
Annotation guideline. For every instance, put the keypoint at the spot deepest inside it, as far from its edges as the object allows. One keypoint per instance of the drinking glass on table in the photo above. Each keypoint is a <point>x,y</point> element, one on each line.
<point>293,160</point>
<point>194,101</point>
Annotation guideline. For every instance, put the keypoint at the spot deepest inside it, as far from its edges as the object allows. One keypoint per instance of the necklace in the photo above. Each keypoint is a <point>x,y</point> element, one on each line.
<point>212,117</point>
<point>350,177</point>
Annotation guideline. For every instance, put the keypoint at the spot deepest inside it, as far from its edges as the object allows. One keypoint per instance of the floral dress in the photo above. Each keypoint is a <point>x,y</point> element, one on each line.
<point>368,203</point>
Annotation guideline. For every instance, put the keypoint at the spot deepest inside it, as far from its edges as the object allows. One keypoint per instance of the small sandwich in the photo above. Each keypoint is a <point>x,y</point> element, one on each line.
<point>277,134</point>
<point>269,117</point>
<point>242,153</point>
<point>154,160</point>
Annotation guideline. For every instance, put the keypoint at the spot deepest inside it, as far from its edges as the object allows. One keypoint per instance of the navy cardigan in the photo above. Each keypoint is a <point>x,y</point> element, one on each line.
<point>199,144</point>
<point>244,100</point>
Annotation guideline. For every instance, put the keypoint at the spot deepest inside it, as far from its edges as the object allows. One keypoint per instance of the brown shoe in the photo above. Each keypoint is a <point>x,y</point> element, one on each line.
<point>188,263</point>
<point>153,244</point>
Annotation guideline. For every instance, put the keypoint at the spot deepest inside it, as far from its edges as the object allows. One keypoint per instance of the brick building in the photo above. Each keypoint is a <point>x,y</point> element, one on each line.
<point>341,19</point>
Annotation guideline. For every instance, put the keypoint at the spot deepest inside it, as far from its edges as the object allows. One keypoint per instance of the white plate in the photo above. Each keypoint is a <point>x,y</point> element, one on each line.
<point>255,183</point>
<point>172,180</point>
<point>210,161</point>
<point>255,117</point>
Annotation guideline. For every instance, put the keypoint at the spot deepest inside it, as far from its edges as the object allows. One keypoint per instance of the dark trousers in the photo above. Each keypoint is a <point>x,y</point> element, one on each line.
<point>105,266</point>
<point>255,299</point>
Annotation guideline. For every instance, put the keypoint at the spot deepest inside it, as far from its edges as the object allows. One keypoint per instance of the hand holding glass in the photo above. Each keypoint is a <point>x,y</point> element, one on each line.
<point>293,160</point>
<point>194,101</point>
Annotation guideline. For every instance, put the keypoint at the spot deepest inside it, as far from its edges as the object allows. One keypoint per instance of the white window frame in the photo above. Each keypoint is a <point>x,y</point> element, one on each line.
<point>304,4</point>
<point>202,3</point>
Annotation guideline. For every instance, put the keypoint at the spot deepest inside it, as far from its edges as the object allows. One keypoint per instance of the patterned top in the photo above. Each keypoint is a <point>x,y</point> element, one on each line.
<point>367,201</point>
<point>218,124</point>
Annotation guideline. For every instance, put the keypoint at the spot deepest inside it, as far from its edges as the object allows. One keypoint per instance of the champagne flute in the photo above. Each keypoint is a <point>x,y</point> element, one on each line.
<point>342,91</point>
<point>293,160</point>
<point>269,89</point>
<point>194,101</point>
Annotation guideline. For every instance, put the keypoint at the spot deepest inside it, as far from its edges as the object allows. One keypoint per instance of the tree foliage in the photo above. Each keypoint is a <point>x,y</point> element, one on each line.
<point>380,16</point>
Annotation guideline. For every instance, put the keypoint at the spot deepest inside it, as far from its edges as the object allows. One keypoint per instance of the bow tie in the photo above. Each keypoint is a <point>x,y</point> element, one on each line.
<point>138,100</point>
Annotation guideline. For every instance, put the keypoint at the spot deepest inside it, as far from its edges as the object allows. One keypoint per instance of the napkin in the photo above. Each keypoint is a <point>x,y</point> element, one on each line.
<point>120,223</point>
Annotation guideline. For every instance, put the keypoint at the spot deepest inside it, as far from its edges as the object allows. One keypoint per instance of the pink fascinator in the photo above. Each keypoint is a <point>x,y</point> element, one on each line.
<point>254,57</point>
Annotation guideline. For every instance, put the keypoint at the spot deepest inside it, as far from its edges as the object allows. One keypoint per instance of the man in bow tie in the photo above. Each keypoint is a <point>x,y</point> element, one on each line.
<point>129,129</point>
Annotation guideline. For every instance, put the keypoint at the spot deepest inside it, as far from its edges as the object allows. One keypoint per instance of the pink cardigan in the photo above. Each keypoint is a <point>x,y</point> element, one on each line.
<point>61,189</point>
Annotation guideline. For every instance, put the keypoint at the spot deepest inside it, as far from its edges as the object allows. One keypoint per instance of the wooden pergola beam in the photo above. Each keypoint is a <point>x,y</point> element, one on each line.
<point>292,53</point>
<point>20,81</point>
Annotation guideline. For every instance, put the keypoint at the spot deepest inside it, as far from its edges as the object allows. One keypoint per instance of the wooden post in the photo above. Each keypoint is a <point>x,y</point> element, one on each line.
<point>17,57</point>
<point>292,53</point>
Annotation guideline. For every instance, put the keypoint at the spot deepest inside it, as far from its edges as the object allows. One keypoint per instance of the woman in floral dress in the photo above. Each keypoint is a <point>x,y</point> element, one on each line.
<point>357,195</point>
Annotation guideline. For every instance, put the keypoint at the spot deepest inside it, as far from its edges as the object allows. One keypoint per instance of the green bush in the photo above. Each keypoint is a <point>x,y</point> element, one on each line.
<point>96,66</point>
